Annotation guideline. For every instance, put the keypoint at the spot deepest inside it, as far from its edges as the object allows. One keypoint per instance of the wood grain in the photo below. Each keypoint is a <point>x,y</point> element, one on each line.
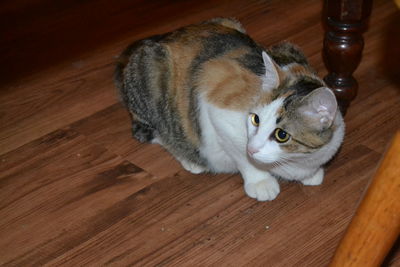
<point>76,189</point>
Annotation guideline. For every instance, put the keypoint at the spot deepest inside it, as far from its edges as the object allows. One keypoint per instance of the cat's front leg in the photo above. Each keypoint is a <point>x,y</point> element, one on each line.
<point>316,179</point>
<point>260,185</point>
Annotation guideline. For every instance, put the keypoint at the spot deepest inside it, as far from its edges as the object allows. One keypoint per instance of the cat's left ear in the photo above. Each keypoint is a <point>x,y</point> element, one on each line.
<point>320,107</point>
<point>271,76</point>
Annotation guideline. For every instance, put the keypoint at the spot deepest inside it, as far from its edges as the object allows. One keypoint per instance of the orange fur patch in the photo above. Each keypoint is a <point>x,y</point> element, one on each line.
<point>181,58</point>
<point>183,46</point>
<point>228,85</point>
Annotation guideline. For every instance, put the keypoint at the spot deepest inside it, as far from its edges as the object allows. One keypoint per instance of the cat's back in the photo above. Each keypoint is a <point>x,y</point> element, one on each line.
<point>182,43</point>
<point>182,52</point>
<point>164,74</point>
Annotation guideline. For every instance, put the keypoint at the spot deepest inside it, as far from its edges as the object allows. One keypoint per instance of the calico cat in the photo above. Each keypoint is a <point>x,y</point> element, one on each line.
<point>220,102</point>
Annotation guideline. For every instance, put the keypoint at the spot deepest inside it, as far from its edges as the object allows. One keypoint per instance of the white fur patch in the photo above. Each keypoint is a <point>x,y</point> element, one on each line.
<point>223,136</point>
<point>268,151</point>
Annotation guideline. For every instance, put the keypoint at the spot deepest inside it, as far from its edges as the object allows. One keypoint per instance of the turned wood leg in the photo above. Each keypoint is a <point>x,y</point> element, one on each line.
<point>343,44</point>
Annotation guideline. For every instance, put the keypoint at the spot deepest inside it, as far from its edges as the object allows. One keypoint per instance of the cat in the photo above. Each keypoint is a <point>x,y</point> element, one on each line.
<point>221,103</point>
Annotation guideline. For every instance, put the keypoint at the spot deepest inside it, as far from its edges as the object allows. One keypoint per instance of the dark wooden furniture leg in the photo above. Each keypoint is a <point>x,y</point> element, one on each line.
<point>345,22</point>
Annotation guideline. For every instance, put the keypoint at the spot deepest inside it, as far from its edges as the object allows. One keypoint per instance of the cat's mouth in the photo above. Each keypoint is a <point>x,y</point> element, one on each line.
<point>251,151</point>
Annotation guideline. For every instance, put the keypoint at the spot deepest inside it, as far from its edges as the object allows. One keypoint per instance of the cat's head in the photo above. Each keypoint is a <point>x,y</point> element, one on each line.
<point>300,119</point>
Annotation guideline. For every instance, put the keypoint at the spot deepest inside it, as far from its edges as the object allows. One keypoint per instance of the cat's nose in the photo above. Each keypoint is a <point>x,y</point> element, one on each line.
<point>252,151</point>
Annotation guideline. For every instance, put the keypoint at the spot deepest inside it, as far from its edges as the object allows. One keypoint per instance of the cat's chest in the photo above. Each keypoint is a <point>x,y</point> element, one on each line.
<point>227,124</point>
<point>224,136</point>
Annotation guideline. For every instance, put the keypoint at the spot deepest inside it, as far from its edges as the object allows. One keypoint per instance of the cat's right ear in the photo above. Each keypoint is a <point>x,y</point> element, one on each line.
<point>271,76</point>
<point>320,107</point>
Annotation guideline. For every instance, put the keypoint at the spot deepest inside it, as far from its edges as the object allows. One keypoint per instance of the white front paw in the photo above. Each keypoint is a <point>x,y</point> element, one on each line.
<point>316,179</point>
<point>263,190</point>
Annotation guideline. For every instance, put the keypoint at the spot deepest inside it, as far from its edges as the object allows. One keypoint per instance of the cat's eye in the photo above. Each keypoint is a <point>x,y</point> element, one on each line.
<point>255,120</point>
<point>281,136</point>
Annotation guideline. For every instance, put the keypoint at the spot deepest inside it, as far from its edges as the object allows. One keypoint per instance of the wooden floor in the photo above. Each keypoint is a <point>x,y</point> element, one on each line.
<point>77,190</point>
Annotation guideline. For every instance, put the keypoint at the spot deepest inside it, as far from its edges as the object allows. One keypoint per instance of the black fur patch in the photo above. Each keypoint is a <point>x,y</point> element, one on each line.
<point>286,53</point>
<point>301,88</point>
<point>253,62</point>
<point>217,44</point>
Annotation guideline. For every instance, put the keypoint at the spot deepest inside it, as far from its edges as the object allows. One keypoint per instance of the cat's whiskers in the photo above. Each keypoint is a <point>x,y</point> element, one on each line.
<point>283,164</point>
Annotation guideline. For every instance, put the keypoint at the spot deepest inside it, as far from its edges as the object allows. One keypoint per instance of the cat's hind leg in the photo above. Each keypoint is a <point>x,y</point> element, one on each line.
<point>316,179</point>
<point>191,166</point>
<point>142,132</point>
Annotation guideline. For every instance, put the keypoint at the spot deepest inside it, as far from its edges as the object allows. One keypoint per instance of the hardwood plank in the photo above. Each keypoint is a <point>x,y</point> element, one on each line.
<point>158,221</point>
<point>111,128</point>
<point>31,112</point>
<point>48,197</point>
<point>193,199</point>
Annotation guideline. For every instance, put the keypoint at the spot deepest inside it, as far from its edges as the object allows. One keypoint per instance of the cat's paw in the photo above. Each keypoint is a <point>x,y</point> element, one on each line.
<point>192,167</point>
<point>316,179</point>
<point>263,190</point>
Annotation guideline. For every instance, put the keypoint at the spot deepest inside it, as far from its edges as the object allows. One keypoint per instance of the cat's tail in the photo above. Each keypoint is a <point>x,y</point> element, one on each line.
<point>229,23</point>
